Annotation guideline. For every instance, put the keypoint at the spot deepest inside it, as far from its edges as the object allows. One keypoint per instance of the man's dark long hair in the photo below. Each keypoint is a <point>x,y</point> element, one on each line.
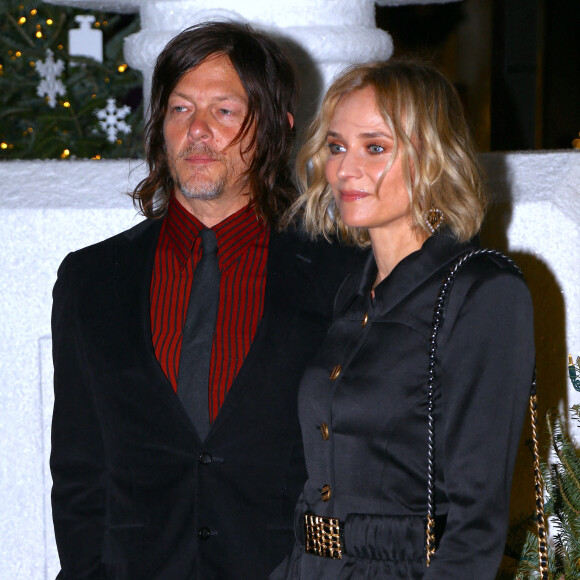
<point>271,86</point>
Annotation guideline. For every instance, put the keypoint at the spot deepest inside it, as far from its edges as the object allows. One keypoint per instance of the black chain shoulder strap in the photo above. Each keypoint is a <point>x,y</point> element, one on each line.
<point>438,315</point>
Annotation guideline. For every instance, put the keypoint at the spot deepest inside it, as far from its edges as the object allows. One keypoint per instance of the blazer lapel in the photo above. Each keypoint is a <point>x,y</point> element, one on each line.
<point>291,267</point>
<point>134,259</point>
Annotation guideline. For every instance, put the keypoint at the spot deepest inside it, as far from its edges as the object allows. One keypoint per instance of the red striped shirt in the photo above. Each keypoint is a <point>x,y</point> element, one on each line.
<point>242,241</point>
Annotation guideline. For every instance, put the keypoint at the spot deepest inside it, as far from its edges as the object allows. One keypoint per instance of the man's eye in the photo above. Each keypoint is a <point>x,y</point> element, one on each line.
<point>179,108</point>
<point>225,112</point>
<point>335,148</point>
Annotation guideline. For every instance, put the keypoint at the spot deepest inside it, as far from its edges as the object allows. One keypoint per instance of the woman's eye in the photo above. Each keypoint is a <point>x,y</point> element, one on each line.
<point>178,108</point>
<point>376,149</point>
<point>225,112</point>
<point>335,148</point>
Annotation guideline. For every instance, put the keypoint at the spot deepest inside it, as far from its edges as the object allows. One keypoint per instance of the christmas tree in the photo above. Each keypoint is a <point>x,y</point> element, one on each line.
<point>562,487</point>
<point>54,104</point>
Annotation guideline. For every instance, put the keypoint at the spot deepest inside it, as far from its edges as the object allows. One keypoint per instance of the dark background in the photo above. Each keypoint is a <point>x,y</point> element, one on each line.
<point>516,64</point>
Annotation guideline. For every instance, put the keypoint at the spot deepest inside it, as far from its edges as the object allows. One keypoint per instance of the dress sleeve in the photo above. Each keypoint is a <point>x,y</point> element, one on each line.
<point>77,465</point>
<point>486,371</point>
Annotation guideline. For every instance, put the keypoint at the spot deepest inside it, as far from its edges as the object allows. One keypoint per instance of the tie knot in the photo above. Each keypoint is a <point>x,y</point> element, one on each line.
<point>208,241</point>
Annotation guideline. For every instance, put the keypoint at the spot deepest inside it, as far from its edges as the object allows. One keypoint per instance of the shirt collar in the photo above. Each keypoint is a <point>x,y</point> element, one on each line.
<point>233,234</point>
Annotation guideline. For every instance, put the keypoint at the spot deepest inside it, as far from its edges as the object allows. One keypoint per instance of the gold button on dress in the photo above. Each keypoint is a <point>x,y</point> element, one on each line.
<point>335,372</point>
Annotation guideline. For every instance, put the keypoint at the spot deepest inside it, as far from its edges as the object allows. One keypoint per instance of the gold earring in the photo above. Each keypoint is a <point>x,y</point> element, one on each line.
<point>434,219</point>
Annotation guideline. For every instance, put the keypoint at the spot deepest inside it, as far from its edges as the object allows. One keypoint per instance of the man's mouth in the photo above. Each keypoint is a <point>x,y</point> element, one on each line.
<point>200,156</point>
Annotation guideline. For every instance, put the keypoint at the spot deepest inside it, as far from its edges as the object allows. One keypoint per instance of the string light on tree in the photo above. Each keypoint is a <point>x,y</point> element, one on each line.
<point>72,61</point>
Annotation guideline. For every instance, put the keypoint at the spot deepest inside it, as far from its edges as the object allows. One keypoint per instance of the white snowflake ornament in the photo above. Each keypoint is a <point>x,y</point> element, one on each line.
<point>112,119</point>
<point>49,71</point>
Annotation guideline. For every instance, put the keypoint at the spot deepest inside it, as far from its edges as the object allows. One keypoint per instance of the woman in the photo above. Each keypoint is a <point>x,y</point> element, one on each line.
<point>389,163</point>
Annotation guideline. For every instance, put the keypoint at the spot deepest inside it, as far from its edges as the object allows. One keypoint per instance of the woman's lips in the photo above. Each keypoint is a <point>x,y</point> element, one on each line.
<point>353,195</point>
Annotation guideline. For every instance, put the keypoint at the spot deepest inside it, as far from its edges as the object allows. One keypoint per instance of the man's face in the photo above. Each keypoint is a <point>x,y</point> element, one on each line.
<point>204,113</point>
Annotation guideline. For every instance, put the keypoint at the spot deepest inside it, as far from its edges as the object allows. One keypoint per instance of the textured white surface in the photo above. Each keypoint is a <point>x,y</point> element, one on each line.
<point>545,220</point>
<point>323,36</point>
<point>166,13</point>
<point>49,208</point>
<point>537,213</point>
<point>121,6</point>
<point>333,33</point>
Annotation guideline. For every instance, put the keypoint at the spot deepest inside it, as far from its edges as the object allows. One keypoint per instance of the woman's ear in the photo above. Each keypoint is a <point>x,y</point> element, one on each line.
<point>290,120</point>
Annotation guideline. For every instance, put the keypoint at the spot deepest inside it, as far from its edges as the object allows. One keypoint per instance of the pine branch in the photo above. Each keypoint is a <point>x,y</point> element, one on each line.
<point>563,507</point>
<point>555,431</point>
<point>58,29</point>
<point>19,29</point>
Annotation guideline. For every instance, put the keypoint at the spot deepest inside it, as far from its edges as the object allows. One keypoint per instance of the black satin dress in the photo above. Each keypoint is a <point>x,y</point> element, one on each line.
<point>373,458</point>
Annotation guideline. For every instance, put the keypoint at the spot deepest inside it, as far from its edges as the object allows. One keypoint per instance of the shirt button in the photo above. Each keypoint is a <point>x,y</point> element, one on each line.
<point>324,431</point>
<point>326,492</point>
<point>203,533</point>
<point>365,319</point>
<point>205,457</point>
<point>335,372</point>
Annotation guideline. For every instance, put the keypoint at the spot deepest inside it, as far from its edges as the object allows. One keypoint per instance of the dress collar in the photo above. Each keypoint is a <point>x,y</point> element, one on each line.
<point>437,252</point>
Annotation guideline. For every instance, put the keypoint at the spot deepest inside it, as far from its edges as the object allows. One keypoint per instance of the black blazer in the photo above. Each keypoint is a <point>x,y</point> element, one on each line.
<point>136,495</point>
<point>374,457</point>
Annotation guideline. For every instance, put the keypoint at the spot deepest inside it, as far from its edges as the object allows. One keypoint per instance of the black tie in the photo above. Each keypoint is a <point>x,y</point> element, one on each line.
<point>198,331</point>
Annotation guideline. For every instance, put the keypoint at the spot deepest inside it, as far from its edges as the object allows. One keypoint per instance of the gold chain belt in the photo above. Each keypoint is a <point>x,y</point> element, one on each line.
<point>323,536</point>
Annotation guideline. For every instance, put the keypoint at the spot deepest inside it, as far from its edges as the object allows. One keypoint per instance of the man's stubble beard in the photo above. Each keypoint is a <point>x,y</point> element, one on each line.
<point>200,187</point>
<point>204,191</point>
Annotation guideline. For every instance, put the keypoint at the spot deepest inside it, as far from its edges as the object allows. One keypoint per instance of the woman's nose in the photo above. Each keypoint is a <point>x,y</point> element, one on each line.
<point>349,166</point>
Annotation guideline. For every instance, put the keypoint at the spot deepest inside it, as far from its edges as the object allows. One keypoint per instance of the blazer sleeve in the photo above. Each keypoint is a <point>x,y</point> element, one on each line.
<point>77,465</point>
<point>486,368</point>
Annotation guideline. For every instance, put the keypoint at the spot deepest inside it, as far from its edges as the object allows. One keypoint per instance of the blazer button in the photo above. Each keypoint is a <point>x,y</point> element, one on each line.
<point>203,533</point>
<point>335,372</point>
<point>324,431</point>
<point>365,319</point>
<point>205,458</point>
<point>326,492</point>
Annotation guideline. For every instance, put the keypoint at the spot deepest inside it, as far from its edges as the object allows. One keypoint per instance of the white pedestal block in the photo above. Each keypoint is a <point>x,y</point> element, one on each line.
<point>322,36</point>
<point>49,208</point>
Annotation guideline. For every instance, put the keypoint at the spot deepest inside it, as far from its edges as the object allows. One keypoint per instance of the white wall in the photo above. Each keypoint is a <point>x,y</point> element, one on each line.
<point>48,208</point>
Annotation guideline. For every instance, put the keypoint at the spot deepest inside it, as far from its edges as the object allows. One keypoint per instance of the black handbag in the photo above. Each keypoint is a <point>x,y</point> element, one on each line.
<point>438,316</point>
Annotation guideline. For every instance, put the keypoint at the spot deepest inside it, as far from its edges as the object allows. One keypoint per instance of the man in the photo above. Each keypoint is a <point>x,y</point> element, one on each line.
<point>149,482</point>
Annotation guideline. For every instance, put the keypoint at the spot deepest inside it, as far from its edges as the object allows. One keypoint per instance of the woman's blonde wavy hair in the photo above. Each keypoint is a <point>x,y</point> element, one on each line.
<point>425,116</point>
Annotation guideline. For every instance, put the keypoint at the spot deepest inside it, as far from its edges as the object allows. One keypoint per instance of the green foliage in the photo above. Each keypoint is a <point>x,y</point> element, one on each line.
<point>562,485</point>
<point>29,127</point>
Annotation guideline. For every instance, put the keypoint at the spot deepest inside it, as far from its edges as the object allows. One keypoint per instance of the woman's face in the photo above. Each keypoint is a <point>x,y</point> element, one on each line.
<point>360,147</point>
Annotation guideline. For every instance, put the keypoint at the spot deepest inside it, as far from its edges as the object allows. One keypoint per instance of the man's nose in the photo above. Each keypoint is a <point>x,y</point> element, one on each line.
<point>199,126</point>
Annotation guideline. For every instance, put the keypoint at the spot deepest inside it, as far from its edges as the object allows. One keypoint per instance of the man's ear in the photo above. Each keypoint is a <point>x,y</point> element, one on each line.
<point>290,120</point>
